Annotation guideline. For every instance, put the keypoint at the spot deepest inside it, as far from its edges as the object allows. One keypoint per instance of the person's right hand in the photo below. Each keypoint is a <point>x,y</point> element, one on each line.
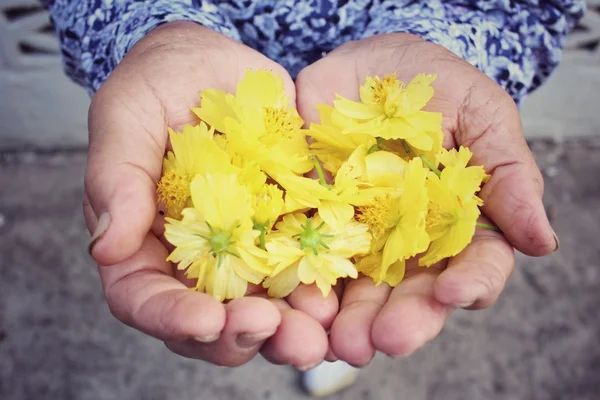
<point>153,88</point>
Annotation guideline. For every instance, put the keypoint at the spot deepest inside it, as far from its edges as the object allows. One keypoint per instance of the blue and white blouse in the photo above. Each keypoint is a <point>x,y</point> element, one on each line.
<point>516,42</point>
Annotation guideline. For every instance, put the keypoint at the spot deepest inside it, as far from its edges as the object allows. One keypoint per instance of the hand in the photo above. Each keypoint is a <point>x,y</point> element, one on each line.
<point>478,114</point>
<point>153,88</point>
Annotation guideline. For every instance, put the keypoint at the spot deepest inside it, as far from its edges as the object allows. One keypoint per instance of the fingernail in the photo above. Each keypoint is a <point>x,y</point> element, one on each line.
<point>308,367</point>
<point>400,356</point>
<point>466,304</point>
<point>556,240</point>
<point>101,228</point>
<point>208,338</point>
<point>252,339</point>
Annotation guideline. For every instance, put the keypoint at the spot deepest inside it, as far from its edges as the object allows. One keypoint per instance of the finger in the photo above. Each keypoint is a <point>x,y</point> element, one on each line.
<point>310,300</point>
<point>513,196</point>
<point>158,226</point>
<point>476,276</point>
<point>299,341</point>
<point>124,164</point>
<point>316,85</point>
<point>350,336</point>
<point>250,321</point>
<point>330,355</point>
<point>411,317</point>
<point>142,293</point>
<point>89,215</point>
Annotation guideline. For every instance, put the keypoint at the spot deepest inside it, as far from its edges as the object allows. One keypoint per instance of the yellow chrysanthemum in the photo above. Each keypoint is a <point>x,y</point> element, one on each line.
<point>397,222</point>
<point>214,242</point>
<point>453,205</point>
<point>308,250</point>
<point>259,123</point>
<point>391,110</point>
<point>194,152</point>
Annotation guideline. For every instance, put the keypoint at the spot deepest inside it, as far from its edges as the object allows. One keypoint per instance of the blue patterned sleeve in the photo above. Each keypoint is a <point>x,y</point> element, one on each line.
<point>95,35</point>
<point>516,43</point>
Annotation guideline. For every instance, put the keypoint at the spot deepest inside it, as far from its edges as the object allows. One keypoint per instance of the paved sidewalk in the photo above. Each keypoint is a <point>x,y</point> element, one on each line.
<point>59,341</point>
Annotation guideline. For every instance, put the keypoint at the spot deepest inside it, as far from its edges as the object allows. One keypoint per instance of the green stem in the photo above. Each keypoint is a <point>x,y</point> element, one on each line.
<point>408,151</point>
<point>430,165</point>
<point>488,226</point>
<point>261,238</point>
<point>317,165</point>
<point>406,146</point>
<point>375,147</point>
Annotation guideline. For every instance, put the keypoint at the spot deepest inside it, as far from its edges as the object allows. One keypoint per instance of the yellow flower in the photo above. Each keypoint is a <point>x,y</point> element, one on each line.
<point>268,205</point>
<point>194,152</point>
<point>214,242</point>
<point>361,178</point>
<point>308,250</point>
<point>331,145</point>
<point>397,223</point>
<point>391,110</point>
<point>407,152</point>
<point>259,124</point>
<point>453,205</point>
<point>371,266</point>
<point>216,107</point>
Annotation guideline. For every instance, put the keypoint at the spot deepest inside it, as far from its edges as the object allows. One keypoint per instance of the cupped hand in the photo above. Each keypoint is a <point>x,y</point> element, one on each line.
<point>477,113</point>
<point>153,88</point>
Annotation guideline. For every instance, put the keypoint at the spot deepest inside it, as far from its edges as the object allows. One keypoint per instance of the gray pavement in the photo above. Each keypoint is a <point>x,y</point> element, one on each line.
<point>59,341</point>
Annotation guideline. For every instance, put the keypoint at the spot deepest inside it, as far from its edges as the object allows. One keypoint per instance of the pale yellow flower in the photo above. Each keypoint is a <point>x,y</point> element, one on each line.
<point>214,242</point>
<point>308,250</point>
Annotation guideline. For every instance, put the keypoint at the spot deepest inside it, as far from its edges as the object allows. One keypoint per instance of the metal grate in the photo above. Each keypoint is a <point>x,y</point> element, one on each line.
<point>585,38</point>
<point>26,35</point>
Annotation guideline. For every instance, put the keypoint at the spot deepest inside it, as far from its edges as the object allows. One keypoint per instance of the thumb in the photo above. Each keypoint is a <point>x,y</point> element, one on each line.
<point>127,145</point>
<point>513,196</point>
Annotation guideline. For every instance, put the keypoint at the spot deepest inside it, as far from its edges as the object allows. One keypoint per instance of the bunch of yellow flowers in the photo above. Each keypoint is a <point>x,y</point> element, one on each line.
<point>241,210</point>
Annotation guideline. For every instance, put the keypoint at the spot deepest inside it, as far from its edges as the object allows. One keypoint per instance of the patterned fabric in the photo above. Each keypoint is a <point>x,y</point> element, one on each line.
<point>516,43</point>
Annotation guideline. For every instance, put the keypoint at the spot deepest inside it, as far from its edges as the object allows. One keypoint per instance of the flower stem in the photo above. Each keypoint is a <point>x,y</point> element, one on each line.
<point>375,147</point>
<point>319,169</point>
<point>430,165</point>
<point>408,151</point>
<point>263,231</point>
<point>488,226</point>
<point>405,146</point>
<point>262,240</point>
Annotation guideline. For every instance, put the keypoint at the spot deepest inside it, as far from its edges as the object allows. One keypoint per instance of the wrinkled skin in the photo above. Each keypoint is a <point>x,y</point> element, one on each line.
<point>154,87</point>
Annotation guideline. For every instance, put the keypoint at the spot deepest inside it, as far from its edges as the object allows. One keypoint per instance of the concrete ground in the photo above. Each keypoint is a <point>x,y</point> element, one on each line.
<point>59,341</point>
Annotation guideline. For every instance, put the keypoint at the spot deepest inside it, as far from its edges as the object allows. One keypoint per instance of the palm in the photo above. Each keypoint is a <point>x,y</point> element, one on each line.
<point>478,114</point>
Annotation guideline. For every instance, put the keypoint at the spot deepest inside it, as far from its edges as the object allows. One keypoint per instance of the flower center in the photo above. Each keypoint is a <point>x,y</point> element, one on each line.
<point>173,190</point>
<point>437,217</point>
<point>219,241</point>
<point>310,238</point>
<point>380,89</point>
<point>377,215</point>
<point>278,124</point>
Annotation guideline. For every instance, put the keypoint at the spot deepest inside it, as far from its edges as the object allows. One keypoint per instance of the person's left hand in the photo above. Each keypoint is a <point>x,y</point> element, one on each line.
<point>478,114</point>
